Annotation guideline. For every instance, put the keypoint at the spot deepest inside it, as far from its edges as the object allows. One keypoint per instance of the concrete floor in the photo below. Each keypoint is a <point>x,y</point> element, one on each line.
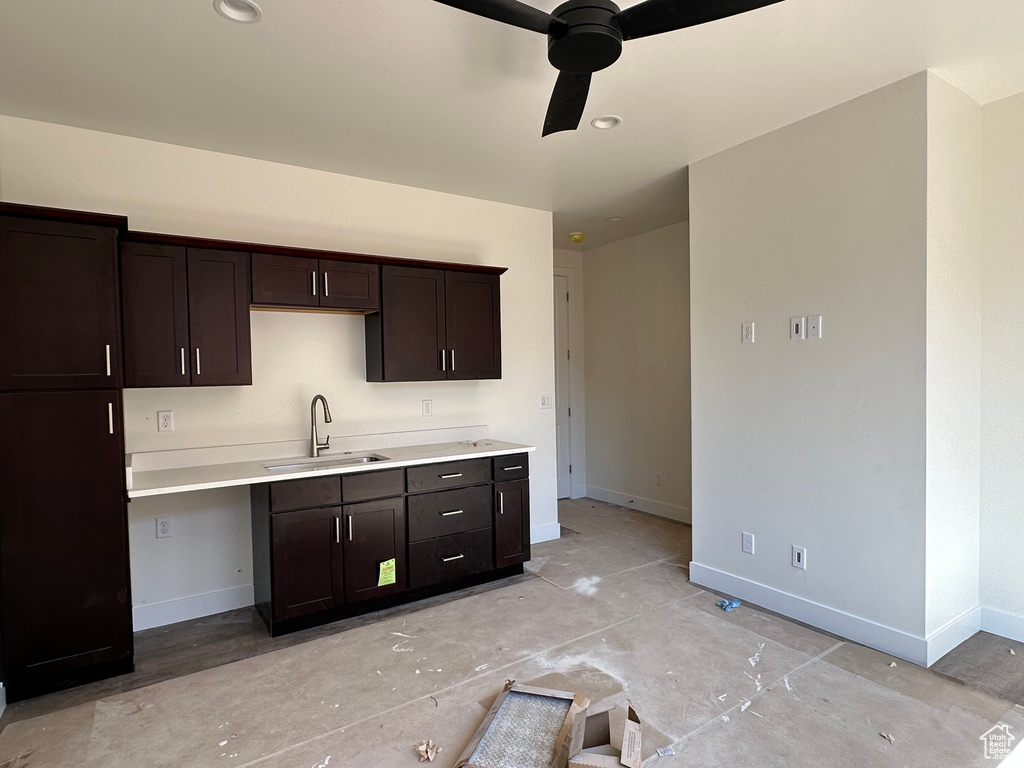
<point>612,616</point>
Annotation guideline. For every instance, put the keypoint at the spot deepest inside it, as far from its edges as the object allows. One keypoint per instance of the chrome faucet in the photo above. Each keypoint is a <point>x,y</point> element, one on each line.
<point>315,446</point>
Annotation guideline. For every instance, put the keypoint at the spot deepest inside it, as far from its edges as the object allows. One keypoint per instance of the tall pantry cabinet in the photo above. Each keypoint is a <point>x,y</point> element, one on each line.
<point>65,608</point>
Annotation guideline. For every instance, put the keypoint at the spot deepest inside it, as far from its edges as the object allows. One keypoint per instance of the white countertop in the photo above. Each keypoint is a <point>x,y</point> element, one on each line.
<point>158,482</point>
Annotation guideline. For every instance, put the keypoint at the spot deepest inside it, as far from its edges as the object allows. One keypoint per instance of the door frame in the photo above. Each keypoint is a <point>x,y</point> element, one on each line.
<point>577,389</point>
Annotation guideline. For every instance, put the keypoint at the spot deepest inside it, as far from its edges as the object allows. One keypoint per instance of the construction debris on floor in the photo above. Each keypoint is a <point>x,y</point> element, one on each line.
<point>530,727</point>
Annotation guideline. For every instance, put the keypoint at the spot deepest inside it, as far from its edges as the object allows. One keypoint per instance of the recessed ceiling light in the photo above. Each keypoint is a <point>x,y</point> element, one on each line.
<point>616,218</point>
<point>606,122</point>
<point>244,11</point>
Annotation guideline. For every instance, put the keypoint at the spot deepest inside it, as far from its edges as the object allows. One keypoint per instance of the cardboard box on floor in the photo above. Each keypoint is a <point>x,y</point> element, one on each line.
<point>597,750</point>
<point>582,742</point>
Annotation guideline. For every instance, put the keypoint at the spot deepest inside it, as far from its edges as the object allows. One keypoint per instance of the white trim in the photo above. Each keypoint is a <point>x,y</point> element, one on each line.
<point>1004,624</point>
<point>659,508</point>
<point>946,638</point>
<point>887,639</point>
<point>193,607</point>
<point>546,532</point>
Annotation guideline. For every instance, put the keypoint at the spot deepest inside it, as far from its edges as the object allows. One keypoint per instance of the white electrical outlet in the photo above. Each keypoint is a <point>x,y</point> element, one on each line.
<point>748,543</point>
<point>814,326</point>
<point>428,407</point>
<point>163,527</point>
<point>165,421</point>
<point>800,557</point>
<point>747,335</point>
<point>546,401</point>
<point>657,478</point>
<point>796,328</point>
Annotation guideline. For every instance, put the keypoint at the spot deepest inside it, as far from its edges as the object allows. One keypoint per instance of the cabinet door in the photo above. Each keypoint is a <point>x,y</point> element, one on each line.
<point>408,332</point>
<point>374,532</point>
<point>154,298</point>
<point>473,325</point>
<point>58,305</point>
<point>284,281</point>
<point>511,523</point>
<point>63,539</point>
<point>218,313</point>
<point>306,558</point>
<point>349,285</point>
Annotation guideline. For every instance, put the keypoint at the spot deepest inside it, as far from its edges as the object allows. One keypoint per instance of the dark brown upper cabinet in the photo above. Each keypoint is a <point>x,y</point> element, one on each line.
<point>154,291</point>
<point>59,306</point>
<point>186,316</point>
<point>434,325</point>
<point>472,325</point>
<point>63,540</point>
<point>290,281</point>
<point>218,317</point>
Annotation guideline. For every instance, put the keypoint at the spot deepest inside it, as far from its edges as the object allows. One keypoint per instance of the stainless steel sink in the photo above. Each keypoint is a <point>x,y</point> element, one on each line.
<point>326,462</point>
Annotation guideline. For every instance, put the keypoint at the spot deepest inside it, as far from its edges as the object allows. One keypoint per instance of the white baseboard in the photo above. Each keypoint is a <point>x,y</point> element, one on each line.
<point>547,532</point>
<point>1007,625</point>
<point>878,636</point>
<point>192,607</point>
<point>948,637</point>
<point>652,507</point>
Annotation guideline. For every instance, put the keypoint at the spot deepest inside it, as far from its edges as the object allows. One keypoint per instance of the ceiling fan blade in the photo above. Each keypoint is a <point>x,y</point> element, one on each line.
<point>510,12</point>
<point>568,101</point>
<point>656,16</point>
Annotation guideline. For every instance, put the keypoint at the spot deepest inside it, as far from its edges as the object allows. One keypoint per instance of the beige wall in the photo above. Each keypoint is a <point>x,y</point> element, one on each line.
<point>953,439</point>
<point>1002,413</point>
<point>165,188</point>
<point>816,443</point>
<point>638,371</point>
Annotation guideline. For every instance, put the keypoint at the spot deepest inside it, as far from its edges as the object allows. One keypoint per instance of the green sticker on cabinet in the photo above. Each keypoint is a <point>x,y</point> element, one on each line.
<point>387,573</point>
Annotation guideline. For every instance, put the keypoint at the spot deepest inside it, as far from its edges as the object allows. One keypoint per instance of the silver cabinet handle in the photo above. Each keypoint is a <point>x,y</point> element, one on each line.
<point>108,359</point>
<point>350,527</point>
<point>449,477</point>
<point>444,360</point>
<point>453,512</point>
<point>327,287</point>
<point>337,530</point>
<point>182,361</point>
<point>199,364</point>
<point>453,359</point>
<point>110,417</point>
<point>449,559</point>
<point>509,469</point>
<point>501,503</point>
<point>314,283</point>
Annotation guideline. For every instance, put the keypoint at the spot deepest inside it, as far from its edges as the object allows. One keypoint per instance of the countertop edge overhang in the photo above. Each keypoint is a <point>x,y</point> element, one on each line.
<point>160,482</point>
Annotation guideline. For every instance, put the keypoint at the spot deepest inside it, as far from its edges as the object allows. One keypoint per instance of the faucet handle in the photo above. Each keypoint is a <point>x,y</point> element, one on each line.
<point>325,444</point>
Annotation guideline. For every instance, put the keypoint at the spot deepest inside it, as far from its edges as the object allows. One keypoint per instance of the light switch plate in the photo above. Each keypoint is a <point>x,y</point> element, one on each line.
<point>797,329</point>
<point>814,326</point>
<point>428,407</point>
<point>546,401</point>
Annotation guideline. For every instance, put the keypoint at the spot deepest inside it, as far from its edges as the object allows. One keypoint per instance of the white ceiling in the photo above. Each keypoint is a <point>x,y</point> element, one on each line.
<point>417,93</point>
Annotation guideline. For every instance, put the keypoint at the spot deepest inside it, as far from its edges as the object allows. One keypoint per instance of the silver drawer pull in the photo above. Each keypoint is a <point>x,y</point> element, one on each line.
<point>327,286</point>
<point>337,530</point>
<point>449,477</point>
<point>501,503</point>
<point>110,417</point>
<point>108,359</point>
<point>453,512</point>
<point>444,364</point>
<point>182,361</point>
<point>350,527</point>
<point>314,283</point>
<point>199,363</point>
<point>509,469</point>
<point>449,559</point>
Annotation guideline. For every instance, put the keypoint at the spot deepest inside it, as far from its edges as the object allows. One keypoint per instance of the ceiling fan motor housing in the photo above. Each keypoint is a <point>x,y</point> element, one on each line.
<point>592,40</point>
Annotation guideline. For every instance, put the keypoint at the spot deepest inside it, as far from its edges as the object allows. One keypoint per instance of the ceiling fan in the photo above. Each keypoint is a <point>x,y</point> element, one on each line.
<point>585,36</point>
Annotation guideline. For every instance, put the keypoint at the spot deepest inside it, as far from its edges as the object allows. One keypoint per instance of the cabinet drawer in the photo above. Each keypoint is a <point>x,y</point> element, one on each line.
<point>372,485</point>
<point>450,557</point>
<point>451,474</point>
<point>447,512</point>
<point>514,467</point>
<point>303,494</point>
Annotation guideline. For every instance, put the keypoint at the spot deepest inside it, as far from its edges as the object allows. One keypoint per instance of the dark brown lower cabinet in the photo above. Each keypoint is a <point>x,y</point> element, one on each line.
<point>63,541</point>
<point>511,523</point>
<point>374,533</point>
<point>308,575</point>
